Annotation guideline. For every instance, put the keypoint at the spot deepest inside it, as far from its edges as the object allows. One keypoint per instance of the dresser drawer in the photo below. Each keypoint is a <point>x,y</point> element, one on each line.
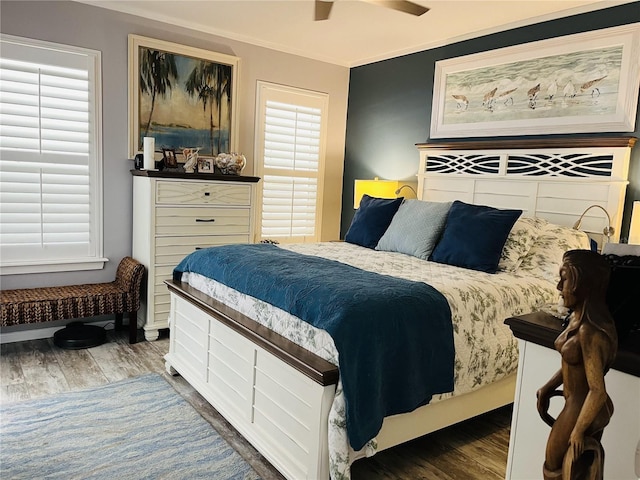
<point>163,273</point>
<point>162,306</point>
<point>202,221</point>
<point>171,250</point>
<point>161,297</point>
<point>196,193</point>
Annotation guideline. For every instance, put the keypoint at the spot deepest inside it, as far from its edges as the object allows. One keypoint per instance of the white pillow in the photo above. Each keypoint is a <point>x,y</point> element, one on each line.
<point>545,256</point>
<point>415,228</point>
<point>520,240</point>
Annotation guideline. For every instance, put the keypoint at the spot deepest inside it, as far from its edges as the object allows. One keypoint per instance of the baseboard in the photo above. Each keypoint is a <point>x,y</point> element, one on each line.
<point>43,332</point>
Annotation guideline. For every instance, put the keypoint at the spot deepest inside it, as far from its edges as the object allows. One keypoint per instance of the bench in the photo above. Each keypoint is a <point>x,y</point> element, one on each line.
<point>47,304</point>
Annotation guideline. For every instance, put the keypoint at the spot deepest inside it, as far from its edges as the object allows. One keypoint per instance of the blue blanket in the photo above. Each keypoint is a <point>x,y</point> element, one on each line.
<point>394,337</point>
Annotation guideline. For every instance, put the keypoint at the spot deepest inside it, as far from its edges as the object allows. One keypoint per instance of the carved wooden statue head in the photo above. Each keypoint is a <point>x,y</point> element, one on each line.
<point>584,276</point>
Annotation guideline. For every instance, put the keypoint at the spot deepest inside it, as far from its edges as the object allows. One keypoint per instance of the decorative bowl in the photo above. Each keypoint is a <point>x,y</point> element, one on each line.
<point>230,163</point>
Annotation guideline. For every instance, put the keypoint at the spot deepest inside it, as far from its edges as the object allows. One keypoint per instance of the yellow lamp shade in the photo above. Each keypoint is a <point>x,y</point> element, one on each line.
<point>374,188</point>
<point>634,229</point>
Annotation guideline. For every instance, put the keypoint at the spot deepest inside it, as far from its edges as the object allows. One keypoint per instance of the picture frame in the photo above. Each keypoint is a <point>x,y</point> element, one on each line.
<point>582,83</point>
<point>205,165</point>
<point>170,159</point>
<point>193,103</point>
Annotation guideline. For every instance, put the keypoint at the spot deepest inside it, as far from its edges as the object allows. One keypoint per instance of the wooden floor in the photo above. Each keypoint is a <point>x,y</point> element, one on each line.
<point>476,449</point>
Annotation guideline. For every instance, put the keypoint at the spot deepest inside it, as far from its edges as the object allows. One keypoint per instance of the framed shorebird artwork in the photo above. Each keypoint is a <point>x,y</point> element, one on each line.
<point>182,96</point>
<point>582,83</point>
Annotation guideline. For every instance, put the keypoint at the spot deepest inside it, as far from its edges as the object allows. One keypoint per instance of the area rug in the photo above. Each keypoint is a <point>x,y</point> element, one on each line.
<point>138,428</point>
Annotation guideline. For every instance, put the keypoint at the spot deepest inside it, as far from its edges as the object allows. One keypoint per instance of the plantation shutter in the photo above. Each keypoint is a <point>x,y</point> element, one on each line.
<point>292,134</point>
<point>50,192</point>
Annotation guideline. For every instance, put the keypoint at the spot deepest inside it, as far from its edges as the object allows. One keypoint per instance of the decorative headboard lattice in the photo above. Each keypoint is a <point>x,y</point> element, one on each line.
<point>556,179</point>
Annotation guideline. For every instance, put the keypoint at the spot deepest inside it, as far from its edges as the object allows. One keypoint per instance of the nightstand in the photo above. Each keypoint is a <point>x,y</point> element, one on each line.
<point>538,361</point>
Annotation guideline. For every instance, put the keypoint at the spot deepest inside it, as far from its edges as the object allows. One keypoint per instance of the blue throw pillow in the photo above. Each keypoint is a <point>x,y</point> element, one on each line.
<point>371,220</point>
<point>415,228</point>
<point>474,236</point>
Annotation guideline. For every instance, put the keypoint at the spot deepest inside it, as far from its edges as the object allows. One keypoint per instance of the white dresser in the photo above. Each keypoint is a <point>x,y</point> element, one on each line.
<point>177,213</point>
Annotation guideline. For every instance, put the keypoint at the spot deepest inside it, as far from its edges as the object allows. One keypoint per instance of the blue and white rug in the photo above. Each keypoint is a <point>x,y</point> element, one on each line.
<point>138,428</point>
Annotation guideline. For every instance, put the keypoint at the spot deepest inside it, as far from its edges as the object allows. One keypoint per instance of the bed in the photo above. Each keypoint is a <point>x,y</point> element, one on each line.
<point>276,377</point>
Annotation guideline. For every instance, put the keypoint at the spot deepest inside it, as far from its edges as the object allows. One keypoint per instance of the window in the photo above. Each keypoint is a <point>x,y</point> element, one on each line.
<point>50,157</point>
<point>291,126</point>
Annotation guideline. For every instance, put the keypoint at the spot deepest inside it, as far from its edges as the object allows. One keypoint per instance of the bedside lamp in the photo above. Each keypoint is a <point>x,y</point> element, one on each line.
<point>374,188</point>
<point>607,231</point>
<point>634,228</point>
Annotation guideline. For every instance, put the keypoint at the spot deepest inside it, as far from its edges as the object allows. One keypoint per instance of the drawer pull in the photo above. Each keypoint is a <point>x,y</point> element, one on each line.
<point>208,220</point>
<point>206,194</point>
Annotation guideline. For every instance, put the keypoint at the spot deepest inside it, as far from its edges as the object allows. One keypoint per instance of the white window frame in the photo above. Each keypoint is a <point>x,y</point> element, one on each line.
<point>295,96</point>
<point>94,259</point>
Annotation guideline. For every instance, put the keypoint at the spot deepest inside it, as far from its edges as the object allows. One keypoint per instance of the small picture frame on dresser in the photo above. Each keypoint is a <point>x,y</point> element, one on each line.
<point>205,165</point>
<point>169,156</point>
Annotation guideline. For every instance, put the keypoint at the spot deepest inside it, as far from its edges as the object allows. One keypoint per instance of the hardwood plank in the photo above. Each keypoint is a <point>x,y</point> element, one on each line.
<point>161,346</point>
<point>475,440</point>
<point>149,354</point>
<point>10,369</point>
<point>116,361</point>
<point>42,373</point>
<point>404,462</point>
<point>11,393</point>
<point>466,451</point>
<point>461,466</point>
<point>78,367</point>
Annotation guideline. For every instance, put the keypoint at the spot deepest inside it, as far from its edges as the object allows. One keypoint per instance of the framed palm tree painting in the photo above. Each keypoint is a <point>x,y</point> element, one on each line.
<point>183,97</point>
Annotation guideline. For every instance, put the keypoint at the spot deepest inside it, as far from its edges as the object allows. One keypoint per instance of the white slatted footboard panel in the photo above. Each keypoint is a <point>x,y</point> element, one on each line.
<point>279,410</point>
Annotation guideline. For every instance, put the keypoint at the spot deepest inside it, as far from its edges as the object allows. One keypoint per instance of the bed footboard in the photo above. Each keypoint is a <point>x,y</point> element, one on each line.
<point>276,394</point>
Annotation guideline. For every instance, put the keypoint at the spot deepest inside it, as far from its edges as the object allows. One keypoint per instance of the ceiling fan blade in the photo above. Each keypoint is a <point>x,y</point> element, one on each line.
<point>401,5</point>
<point>323,9</point>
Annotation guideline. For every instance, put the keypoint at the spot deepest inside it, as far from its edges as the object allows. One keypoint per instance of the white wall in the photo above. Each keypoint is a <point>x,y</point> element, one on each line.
<point>105,30</point>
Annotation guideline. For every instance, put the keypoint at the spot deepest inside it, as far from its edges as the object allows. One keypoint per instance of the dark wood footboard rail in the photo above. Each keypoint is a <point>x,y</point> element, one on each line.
<point>307,363</point>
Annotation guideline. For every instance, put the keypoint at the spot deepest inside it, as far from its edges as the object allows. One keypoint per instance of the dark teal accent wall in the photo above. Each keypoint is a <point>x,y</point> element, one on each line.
<point>390,104</point>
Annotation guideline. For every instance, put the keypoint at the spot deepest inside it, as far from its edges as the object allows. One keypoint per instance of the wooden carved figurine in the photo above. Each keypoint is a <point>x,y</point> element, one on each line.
<point>588,346</point>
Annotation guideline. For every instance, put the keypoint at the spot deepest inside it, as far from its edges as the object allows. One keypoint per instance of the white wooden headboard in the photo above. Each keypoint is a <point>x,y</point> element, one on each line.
<point>556,179</point>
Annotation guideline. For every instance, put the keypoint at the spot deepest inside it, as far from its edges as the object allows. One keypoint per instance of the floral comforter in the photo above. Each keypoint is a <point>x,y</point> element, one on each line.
<point>485,349</point>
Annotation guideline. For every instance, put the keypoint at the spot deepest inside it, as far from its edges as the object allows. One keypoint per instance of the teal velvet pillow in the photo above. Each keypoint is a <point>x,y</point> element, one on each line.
<point>474,236</point>
<point>415,228</point>
<point>371,220</point>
